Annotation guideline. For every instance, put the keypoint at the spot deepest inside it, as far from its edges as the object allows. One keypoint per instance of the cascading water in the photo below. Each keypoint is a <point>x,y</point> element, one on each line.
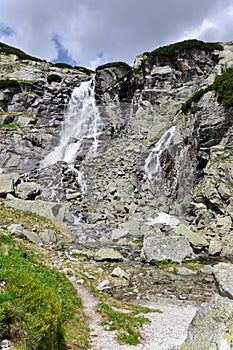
<point>81,124</point>
<point>152,165</point>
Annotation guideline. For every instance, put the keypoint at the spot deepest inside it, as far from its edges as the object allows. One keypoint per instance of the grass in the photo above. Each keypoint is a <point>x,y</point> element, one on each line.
<point>9,126</point>
<point>39,307</point>
<point>29,220</point>
<point>126,324</point>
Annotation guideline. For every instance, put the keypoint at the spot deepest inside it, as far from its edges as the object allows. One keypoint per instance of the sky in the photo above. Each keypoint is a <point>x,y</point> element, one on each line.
<point>93,32</point>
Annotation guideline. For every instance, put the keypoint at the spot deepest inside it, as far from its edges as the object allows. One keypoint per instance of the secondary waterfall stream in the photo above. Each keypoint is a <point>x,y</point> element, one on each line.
<point>152,165</point>
<point>81,128</point>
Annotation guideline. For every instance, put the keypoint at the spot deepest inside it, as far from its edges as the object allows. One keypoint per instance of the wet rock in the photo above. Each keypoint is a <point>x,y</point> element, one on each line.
<point>223,274</point>
<point>157,249</point>
<point>211,327</point>
<point>107,254</point>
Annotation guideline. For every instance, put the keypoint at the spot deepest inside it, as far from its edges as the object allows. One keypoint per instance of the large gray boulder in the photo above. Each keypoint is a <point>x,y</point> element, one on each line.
<point>18,230</point>
<point>7,183</point>
<point>28,190</point>
<point>158,248</point>
<point>211,327</point>
<point>223,274</point>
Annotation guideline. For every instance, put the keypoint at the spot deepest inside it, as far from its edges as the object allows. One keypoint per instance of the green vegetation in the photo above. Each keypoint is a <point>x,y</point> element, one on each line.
<point>84,70</point>
<point>29,220</point>
<point>10,50</point>
<point>54,77</point>
<point>62,65</point>
<point>114,65</point>
<point>9,126</point>
<point>223,86</point>
<point>127,324</point>
<point>193,99</point>
<point>169,50</point>
<point>5,83</point>
<point>39,307</point>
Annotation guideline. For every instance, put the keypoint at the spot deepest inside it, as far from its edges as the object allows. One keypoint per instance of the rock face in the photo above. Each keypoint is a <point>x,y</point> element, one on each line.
<point>211,328</point>
<point>223,274</point>
<point>139,159</point>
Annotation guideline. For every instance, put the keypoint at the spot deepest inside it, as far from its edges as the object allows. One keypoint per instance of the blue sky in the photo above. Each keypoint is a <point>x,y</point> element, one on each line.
<point>91,32</point>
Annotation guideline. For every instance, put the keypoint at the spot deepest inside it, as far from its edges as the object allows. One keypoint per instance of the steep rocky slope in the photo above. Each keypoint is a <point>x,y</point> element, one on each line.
<point>156,174</point>
<point>136,158</point>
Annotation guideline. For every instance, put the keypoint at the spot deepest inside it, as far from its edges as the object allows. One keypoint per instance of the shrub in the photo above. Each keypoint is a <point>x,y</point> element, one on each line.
<point>84,70</point>
<point>10,50</point>
<point>194,98</point>
<point>5,83</point>
<point>113,65</point>
<point>54,77</point>
<point>185,45</point>
<point>62,65</point>
<point>223,85</point>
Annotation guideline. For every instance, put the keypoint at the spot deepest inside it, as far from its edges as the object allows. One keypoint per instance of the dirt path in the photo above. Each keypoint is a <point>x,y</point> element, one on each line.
<point>166,330</point>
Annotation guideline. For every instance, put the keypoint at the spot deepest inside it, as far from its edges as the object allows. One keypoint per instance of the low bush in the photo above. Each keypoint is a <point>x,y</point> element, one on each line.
<point>62,65</point>
<point>222,85</point>
<point>54,77</point>
<point>114,65</point>
<point>84,70</point>
<point>185,45</point>
<point>10,50</point>
<point>5,83</point>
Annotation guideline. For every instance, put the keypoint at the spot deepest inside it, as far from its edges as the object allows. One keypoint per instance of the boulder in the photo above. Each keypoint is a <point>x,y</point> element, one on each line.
<point>28,190</point>
<point>104,286</point>
<point>215,247</point>
<point>7,183</point>
<point>118,272</point>
<point>197,241</point>
<point>211,327</point>
<point>20,231</point>
<point>47,236</point>
<point>107,254</point>
<point>223,275</point>
<point>175,248</point>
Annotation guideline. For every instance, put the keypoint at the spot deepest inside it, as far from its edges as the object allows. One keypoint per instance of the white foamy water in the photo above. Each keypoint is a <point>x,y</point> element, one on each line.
<point>152,165</point>
<point>81,122</point>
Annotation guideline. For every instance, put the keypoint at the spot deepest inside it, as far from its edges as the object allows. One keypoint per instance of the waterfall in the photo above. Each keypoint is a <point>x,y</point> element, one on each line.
<point>152,165</point>
<point>80,128</point>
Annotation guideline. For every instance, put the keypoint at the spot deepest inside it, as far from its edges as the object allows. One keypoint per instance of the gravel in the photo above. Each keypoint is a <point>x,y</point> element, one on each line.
<point>166,331</point>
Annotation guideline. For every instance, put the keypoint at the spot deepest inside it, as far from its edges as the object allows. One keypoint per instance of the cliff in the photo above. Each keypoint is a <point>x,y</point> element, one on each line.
<point>155,149</point>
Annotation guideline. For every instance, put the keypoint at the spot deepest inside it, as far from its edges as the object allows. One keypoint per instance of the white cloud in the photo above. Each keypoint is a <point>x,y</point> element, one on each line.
<point>121,29</point>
